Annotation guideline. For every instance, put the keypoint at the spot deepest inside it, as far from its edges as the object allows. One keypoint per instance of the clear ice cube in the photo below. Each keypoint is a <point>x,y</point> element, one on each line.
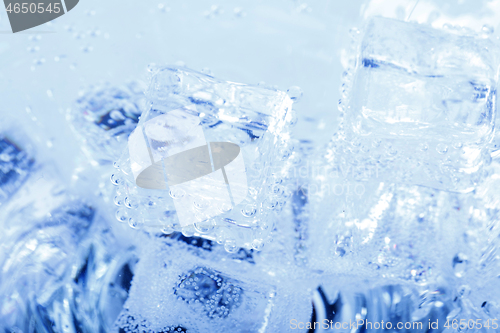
<point>421,104</point>
<point>104,117</point>
<point>207,159</point>
<point>181,286</point>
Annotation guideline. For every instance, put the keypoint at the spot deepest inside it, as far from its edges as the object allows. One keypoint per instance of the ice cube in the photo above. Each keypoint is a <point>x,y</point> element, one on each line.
<point>212,152</point>
<point>15,166</point>
<point>104,117</point>
<point>191,288</point>
<point>390,230</point>
<point>421,104</point>
<point>37,260</point>
<point>68,268</point>
<point>382,308</point>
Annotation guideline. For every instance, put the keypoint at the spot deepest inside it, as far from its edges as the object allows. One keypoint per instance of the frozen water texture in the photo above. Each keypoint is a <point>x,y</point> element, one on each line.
<point>61,267</point>
<point>231,199</point>
<point>44,279</point>
<point>420,105</point>
<point>104,117</point>
<point>15,166</point>
<point>202,288</point>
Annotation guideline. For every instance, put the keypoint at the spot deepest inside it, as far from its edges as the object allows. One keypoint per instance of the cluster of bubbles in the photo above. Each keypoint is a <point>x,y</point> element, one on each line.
<point>270,177</point>
<point>217,294</point>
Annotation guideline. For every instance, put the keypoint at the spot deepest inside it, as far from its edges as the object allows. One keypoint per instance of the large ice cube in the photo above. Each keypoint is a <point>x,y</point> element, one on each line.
<point>207,156</point>
<point>421,104</point>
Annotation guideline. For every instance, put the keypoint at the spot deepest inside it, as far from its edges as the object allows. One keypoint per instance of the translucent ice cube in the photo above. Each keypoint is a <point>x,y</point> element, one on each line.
<point>421,104</point>
<point>104,117</point>
<point>68,271</point>
<point>15,166</point>
<point>373,309</point>
<point>390,230</point>
<point>189,288</point>
<point>207,157</point>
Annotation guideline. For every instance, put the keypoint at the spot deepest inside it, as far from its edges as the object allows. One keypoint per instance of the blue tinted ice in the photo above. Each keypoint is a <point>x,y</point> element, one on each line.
<point>420,104</point>
<point>231,188</point>
<point>189,284</point>
<point>64,272</point>
<point>15,166</point>
<point>104,117</point>
<point>174,287</point>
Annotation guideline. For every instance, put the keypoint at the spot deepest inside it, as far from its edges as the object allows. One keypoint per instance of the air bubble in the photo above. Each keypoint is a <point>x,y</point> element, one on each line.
<point>115,180</point>
<point>151,204</point>
<point>459,264</point>
<point>177,193</point>
<point>135,223</point>
<point>188,231</point>
<point>131,203</point>
<point>204,227</point>
<point>121,215</point>
<point>201,203</point>
<point>488,29</point>
<point>442,148</point>
<point>249,210</point>
<point>230,246</point>
<point>167,230</point>
<point>118,200</point>
<point>225,207</point>
<point>423,146</point>
<point>295,93</point>
<point>258,244</point>
<point>238,12</point>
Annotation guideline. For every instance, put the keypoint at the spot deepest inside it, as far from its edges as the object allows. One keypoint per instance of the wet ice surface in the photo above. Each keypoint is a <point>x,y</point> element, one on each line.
<point>418,109</point>
<point>420,105</point>
<point>15,166</point>
<point>187,111</point>
<point>204,288</point>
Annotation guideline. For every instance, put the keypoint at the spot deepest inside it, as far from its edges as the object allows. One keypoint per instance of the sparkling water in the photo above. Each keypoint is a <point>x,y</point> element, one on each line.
<point>187,113</point>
